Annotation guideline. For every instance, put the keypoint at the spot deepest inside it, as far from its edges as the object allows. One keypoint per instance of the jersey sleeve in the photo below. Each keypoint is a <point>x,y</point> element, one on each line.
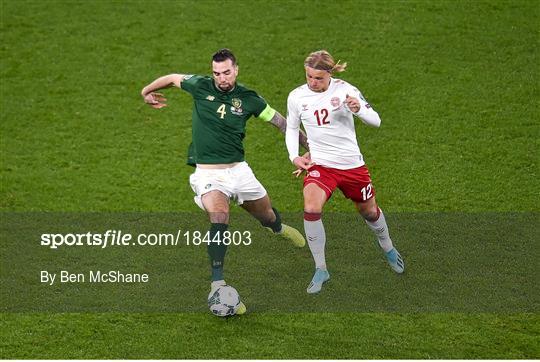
<point>267,114</point>
<point>260,108</point>
<point>366,113</point>
<point>293,128</point>
<point>189,83</point>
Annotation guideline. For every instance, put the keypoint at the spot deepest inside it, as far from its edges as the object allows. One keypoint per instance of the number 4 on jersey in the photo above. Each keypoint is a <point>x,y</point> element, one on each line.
<point>221,111</point>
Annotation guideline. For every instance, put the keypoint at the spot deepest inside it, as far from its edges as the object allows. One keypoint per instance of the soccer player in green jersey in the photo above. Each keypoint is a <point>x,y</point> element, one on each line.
<point>221,108</point>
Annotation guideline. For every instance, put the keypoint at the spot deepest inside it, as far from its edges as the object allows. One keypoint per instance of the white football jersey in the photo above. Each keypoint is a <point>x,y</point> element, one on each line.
<point>329,124</point>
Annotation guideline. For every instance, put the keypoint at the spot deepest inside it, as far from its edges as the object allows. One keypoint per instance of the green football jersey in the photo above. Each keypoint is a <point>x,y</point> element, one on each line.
<point>219,120</point>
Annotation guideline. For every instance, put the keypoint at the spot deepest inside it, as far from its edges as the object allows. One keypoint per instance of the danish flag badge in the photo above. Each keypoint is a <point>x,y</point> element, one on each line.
<point>334,102</point>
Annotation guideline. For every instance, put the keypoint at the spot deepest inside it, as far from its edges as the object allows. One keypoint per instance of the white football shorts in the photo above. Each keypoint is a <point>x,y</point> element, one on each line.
<point>238,183</point>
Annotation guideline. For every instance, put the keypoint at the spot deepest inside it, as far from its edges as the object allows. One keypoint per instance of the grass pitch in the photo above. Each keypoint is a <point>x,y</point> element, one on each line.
<point>455,83</point>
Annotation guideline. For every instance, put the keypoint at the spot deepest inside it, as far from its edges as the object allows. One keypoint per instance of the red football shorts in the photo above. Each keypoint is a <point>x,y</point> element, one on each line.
<point>355,183</point>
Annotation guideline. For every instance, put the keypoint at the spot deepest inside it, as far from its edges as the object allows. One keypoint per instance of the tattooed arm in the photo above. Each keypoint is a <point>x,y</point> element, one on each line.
<point>280,122</point>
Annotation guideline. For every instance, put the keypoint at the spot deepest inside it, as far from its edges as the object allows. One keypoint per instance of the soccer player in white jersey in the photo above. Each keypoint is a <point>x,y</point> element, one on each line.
<point>326,106</point>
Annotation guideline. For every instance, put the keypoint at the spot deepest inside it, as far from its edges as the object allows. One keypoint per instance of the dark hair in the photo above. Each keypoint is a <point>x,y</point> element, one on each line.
<point>222,55</point>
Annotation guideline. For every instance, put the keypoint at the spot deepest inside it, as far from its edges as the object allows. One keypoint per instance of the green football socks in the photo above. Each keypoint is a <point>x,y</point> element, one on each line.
<point>276,225</point>
<point>217,250</point>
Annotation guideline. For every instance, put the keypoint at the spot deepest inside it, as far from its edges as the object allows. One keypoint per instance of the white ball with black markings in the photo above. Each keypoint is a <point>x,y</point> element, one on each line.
<point>224,301</point>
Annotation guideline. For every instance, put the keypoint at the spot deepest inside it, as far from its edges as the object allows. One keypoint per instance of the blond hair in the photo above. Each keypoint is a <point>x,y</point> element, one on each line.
<point>322,60</point>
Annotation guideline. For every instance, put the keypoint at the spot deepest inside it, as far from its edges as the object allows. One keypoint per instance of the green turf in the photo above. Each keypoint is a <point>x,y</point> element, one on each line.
<point>296,336</point>
<point>455,83</point>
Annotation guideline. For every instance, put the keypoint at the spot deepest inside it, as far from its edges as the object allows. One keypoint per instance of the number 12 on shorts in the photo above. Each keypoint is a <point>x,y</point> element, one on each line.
<point>366,192</point>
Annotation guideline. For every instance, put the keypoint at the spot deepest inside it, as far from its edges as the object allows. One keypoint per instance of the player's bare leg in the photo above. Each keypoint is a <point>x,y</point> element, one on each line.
<point>269,217</point>
<point>376,221</point>
<point>260,209</point>
<point>314,200</point>
<point>216,204</point>
<point>368,209</point>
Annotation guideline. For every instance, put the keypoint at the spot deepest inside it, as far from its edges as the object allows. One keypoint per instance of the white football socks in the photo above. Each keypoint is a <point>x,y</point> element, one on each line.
<point>380,229</point>
<point>316,238</point>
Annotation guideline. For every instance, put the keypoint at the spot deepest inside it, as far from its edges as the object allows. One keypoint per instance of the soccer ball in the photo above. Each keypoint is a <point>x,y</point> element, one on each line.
<point>224,301</point>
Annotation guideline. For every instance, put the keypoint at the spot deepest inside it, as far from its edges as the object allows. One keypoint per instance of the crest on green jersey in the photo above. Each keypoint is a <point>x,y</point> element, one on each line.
<point>236,106</point>
<point>236,102</point>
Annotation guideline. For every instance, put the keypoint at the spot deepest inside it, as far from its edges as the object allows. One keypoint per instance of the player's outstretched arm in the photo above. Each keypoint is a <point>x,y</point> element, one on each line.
<point>280,122</point>
<point>157,100</point>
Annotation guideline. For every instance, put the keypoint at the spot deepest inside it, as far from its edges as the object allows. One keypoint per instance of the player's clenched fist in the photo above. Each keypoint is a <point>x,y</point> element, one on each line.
<point>352,103</point>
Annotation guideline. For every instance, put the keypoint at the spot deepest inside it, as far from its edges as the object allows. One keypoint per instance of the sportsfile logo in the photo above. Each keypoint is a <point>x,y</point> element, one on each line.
<point>109,238</point>
<point>122,239</point>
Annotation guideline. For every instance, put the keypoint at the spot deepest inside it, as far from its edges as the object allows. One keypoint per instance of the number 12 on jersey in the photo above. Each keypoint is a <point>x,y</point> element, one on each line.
<point>367,192</point>
<point>322,116</point>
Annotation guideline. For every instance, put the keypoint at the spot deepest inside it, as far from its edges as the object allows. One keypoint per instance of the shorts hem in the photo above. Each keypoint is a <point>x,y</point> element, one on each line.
<point>325,188</point>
